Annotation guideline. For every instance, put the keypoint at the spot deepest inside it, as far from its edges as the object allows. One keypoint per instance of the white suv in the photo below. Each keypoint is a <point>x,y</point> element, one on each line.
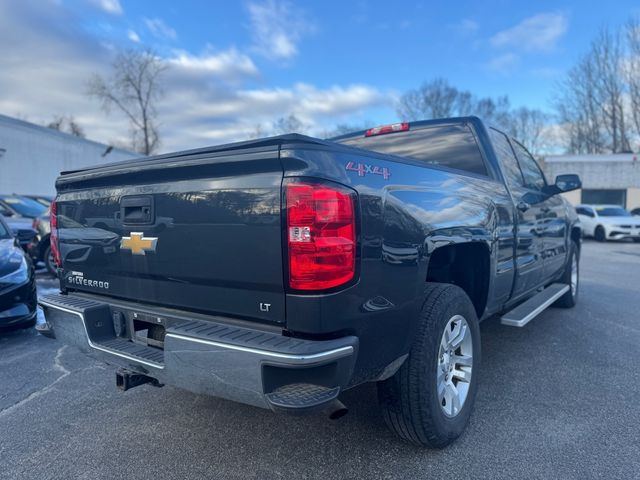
<point>608,222</point>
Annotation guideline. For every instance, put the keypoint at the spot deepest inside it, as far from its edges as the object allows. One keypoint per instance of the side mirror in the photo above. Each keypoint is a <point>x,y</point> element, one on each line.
<point>565,183</point>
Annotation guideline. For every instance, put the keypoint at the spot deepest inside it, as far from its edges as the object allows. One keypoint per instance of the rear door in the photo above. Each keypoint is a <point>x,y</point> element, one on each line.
<point>202,236</point>
<point>529,245</point>
<point>552,226</point>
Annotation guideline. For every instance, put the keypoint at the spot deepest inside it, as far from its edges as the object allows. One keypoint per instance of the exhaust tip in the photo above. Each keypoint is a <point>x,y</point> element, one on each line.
<point>339,413</point>
<point>336,409</point>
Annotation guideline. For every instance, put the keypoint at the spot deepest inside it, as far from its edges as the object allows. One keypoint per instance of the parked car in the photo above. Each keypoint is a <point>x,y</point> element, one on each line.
<point>22,229</point>
<point>18,206</point>
<point>19,213</point>
<point>635,212</point>
<point>295,268</point>
<point>43,200</point>
<point>18,302</point>
<point>41,248</point>
<point>608,222</point>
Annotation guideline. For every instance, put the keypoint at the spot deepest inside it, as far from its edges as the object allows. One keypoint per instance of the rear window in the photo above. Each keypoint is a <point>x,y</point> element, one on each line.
<point>452,146</point>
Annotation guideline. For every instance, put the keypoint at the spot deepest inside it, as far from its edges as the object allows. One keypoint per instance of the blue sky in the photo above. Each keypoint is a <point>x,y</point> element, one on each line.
<point>239,65</point>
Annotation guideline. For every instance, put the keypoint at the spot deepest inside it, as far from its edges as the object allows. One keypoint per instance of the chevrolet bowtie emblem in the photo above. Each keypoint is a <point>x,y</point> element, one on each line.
<point>138,243</point>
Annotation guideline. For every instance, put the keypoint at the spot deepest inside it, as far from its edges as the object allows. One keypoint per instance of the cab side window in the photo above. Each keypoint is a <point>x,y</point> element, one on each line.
<point>533,177</point>
<point>507,159</point>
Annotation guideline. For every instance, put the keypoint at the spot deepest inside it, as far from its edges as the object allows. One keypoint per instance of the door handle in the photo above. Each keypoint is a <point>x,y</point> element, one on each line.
<point>523,206</point>
<point>137,210</point>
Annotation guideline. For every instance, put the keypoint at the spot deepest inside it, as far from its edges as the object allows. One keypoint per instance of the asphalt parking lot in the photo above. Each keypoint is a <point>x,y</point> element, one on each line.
<point>559,398</point>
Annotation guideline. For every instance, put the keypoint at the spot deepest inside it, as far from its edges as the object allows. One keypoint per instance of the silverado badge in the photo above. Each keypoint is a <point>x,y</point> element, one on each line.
<point>138,243</point>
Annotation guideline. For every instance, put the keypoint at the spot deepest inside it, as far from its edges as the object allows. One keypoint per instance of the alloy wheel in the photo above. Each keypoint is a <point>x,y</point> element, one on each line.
<point>455,364</point>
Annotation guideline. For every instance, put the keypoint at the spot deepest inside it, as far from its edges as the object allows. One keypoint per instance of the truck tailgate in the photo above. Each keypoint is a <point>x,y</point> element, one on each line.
<point>199,234</point>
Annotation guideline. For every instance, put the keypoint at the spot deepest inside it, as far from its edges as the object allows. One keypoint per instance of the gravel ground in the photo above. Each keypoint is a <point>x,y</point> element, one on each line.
<point>558,399</point>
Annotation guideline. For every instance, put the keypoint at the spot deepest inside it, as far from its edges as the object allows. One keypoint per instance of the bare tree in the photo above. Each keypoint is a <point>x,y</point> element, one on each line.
<point>434,99</point>
<point>493,111</point>
<point>579,110</point>
<point>134,89</point>
<point>608,57</point>
<point>528,126</point>
<point>439,99</point>
<point>290,124</point>
<point>595,102</point>
<point>344,128</point>
<point>632,71</point>
<point>258,132</point>
<point>66,124</point>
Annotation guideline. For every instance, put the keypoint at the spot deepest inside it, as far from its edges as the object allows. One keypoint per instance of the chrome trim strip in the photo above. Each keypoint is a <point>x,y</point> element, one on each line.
<point>98,347</point>
<point>285,357</point>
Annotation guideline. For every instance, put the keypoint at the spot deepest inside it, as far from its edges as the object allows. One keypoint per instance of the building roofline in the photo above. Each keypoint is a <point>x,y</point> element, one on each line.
<point>50,131</point>
<point>604,157</point>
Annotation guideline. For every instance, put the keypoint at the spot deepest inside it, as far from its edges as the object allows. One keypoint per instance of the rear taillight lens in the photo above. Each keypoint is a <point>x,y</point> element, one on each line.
<point>55,249</point>
<point>321,232</point>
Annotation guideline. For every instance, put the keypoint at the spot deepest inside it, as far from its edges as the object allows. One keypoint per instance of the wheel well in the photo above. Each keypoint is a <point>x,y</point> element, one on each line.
<point>576,235</point>
<point>465,265</point>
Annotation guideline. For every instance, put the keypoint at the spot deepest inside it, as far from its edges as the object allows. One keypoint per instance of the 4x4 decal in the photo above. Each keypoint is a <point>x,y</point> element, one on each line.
<point>363,169</point>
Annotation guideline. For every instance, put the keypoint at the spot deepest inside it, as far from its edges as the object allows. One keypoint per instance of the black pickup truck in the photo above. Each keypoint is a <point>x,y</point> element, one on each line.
<point>280,272</point>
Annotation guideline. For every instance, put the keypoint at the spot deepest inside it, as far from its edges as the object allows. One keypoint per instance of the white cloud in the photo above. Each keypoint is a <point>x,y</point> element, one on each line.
<point>547,72</point>
<point>539,33</point>
<point>276,28</point>
<point>309,102</point>
<point>160,29</point>
<point>133,36</point>
<point>503,63</point>
<point>466,26</point>
<point>202,114</point>
<point>110,6</point>
<point>229,64</point>
<point>212,97</point>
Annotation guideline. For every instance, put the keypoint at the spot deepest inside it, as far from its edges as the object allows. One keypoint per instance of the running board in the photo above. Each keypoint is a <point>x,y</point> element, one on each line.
<point>527,311</point>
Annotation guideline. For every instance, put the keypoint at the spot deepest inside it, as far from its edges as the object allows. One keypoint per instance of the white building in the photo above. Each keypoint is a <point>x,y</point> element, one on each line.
<point>606,179</point>
<point>31,156</point>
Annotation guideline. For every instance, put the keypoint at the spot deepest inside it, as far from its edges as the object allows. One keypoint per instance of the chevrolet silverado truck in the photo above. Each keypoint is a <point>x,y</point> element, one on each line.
<point>280,272</point>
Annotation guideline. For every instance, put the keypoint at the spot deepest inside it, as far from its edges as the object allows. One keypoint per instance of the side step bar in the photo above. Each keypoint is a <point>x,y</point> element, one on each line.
<point>527,311</point>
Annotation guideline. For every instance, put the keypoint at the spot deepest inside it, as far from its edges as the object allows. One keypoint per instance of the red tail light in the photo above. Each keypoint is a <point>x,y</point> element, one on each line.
<point>321,234</point>
<point>53,238</point>
<point>396,127</point>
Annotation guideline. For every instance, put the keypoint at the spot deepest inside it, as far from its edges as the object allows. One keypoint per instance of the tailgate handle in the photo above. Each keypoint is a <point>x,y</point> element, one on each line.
<point>137,210</point>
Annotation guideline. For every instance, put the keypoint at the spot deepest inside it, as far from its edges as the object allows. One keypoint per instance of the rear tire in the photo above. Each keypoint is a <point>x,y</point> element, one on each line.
<point>571,277</point>
<point>49,261</point>
<point>418,403</point>
<point>600,234</point>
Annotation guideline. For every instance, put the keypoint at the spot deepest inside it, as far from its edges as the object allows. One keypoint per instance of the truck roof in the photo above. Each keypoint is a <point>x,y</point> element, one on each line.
<point>279,140</point>
<point>417,123</point>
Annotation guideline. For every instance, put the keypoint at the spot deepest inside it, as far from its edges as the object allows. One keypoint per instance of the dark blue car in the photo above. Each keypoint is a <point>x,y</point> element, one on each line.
<point>18,301</point>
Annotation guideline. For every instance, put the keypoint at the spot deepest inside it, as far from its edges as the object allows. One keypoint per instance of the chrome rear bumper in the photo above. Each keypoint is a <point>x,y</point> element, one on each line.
<point>250,365</point>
